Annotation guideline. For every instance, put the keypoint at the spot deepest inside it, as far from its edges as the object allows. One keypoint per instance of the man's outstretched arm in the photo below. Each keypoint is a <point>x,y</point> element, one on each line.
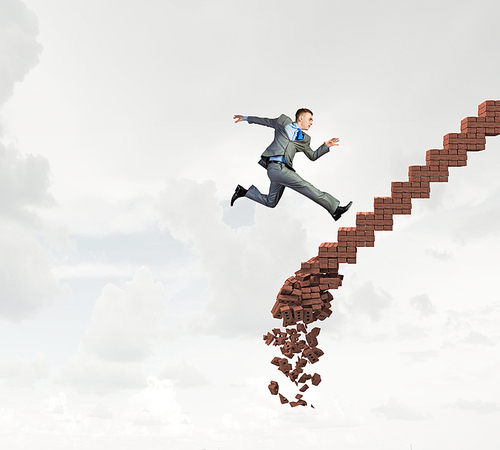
<point>258,120</point>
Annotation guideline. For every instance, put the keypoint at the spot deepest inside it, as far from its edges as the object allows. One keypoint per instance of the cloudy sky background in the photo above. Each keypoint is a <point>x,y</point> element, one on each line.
<point>133,299</point>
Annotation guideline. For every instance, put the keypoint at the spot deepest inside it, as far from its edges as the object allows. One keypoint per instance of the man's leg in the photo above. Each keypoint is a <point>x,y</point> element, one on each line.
<point>270,200</point>
<point>282,175</point>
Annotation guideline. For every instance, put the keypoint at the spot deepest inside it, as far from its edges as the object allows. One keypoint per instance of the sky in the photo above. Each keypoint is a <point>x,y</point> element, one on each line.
<point>133,298</point>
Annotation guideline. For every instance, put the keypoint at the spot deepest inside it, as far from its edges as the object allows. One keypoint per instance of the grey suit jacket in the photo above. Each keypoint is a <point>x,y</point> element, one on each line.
<point>282,145</point>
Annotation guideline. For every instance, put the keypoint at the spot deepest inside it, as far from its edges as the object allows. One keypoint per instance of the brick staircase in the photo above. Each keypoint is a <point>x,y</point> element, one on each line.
<point>305,297</point>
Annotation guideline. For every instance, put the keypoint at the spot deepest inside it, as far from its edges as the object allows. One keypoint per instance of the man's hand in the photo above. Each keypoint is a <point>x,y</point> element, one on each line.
<point>237,118</point>
<point>332,142</point>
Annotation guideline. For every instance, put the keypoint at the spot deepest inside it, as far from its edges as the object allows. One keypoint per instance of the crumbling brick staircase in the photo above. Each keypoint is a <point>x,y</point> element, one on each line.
<point>305,297</point>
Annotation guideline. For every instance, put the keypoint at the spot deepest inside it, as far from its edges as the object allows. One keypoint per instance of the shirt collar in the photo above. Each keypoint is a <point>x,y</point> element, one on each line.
<point>294,132</point>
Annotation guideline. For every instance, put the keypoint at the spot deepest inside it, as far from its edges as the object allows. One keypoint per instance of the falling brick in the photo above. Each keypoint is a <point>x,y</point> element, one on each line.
<point>298,403</point>
<point>304,378</point>
<point>316,379</point>
<point>283,399</point>
<point>304,297</point>
<point>269,338</point>
<point>273,387</point>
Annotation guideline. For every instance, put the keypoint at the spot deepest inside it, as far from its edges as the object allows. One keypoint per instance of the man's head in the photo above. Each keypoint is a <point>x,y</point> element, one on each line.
<point>304,118</point>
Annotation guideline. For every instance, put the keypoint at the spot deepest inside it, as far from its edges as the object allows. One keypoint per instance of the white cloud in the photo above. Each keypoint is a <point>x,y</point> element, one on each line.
<point>184,375</point>
<point>439,255</point>
<point>245,267</point>
<point>423,304</point>
<point>57,404</point>
<point>19,50</point>
<point>421,356</point>
<point>479,406</point>
<point>123,329</point>
<point>369,300</point>
<point>24,183</point>
<point>394,410</point>
<point>458,321</point>
<point>103,214</point>
<point>91,375</point>
<point>125,320</point>
<point>411,332</point>
<point>101,411</point>
<point>477,338</point>
<point>92,270</point>
<point>19,372</point>
<point>155,409</point>
<point>26,282</point>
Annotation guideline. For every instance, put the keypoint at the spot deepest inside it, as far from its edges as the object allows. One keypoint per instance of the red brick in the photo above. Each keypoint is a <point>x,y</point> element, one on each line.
<point>273,387</point>
<point>269,338</point>
<point>310,355</point>
<point>276,311</point>
<point>316,379</point>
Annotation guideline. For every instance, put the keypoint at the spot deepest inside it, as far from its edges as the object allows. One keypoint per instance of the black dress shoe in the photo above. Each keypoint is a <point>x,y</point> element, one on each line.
<point>341,210</point>
<point>239,192</point>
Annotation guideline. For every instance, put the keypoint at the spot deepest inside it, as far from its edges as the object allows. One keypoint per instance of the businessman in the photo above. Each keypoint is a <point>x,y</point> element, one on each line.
<point>289,138</point>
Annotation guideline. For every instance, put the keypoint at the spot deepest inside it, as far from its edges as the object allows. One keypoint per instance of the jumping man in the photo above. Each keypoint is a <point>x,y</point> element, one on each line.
<point>289,138</point>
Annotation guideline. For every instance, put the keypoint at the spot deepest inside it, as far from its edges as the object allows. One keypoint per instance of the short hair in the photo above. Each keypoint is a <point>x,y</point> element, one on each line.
<point>302,111</point>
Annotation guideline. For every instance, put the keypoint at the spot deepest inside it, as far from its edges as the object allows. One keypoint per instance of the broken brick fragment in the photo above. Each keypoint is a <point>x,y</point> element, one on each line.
<point>298,403</point>
<point>315,331</point>
<point>269,338</point>
<point>304,378</point>
<point>316,379</point>
<point>310,355</point>
<point>318,352</point>
<point>284,366</point>
<point>286,289</point>
<point>273,387</point>
<point>302,328</point>
<point>280,340</point>
<point>293,375</point>
<point>301,362</point>
<point>312,341</point>
<point>283,399</point>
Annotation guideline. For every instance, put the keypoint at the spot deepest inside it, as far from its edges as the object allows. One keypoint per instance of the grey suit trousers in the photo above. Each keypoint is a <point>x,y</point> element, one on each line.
<point>281,177</point>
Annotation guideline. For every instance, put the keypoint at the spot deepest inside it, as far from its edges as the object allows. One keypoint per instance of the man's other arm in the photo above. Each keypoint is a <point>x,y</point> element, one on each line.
<point>258,120</point>
<point>322,149</point>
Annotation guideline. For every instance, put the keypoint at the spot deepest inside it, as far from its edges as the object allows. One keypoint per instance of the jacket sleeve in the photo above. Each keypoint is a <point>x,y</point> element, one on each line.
<point>263,121</point>
<point>313,155</point>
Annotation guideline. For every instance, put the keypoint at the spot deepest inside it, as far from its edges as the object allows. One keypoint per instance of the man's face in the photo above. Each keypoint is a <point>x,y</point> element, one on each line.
<point>305,121</point>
